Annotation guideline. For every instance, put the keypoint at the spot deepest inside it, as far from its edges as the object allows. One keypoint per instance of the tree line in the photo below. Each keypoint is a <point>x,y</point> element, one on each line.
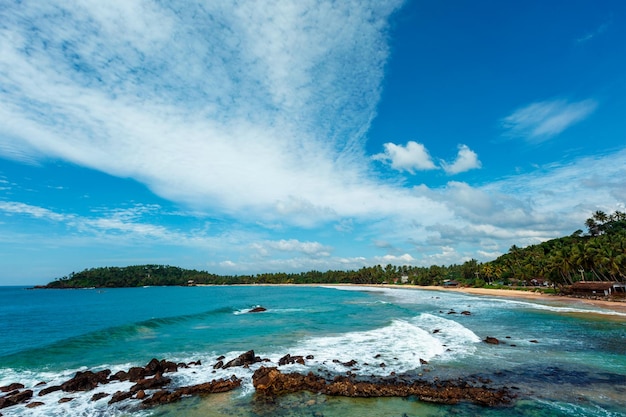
<point>599,254</point>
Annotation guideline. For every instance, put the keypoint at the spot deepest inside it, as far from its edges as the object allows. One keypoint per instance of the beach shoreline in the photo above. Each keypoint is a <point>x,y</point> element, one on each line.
<point>615,306</point>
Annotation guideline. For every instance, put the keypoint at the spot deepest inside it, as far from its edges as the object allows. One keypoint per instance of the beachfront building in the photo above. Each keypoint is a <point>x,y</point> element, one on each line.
<point>599,288</point>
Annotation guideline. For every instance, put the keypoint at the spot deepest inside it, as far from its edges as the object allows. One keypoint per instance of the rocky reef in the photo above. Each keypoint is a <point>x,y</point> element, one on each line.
<point>152,387</point>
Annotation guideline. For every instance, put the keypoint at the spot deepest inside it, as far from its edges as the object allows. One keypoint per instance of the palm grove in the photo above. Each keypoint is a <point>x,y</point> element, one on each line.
<point>599,254</point>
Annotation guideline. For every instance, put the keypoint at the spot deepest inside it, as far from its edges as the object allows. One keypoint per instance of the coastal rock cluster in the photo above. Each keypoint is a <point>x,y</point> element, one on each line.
<point>270,382</point>
<point>151,386</point>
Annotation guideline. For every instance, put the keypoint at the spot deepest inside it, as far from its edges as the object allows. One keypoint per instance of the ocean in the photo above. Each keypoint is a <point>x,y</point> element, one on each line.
<point>559,359</point>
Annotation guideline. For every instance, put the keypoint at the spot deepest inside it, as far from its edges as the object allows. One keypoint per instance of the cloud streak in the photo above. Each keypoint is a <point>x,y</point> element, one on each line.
<point>540,121</point>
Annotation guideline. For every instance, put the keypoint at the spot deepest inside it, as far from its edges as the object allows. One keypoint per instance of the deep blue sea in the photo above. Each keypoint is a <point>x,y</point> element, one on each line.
<point>562,360</point>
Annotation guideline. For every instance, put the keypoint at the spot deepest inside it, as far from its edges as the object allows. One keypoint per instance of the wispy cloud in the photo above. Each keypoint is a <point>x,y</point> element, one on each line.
<point>17,208</point>
<point>543,120</point>
<point>466,160</point>
<point>595,33</point>
<point>256,112</point>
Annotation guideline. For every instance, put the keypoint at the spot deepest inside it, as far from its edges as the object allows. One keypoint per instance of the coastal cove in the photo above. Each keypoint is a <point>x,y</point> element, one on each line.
<point>557,358</point>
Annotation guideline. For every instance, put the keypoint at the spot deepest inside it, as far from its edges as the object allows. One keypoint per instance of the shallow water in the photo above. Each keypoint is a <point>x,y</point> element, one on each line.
<point>561,360</point>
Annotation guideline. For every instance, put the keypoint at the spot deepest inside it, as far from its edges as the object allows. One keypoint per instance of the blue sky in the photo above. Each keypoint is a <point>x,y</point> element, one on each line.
<point>291,136</point>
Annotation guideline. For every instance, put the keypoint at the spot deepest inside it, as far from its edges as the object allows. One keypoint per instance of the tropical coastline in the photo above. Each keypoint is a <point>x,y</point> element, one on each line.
<point>374,338</point>
<point>618,306</point>
<point>614,305</point>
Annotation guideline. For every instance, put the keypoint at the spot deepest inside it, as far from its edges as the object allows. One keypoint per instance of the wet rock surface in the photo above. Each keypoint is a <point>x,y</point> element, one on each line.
<point>270,382</point>
<point>151,387</point>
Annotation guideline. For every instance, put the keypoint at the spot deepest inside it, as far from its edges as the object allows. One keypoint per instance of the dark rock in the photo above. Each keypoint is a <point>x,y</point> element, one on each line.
<point>310,357</point>
<point>534,341</point>
<point>12,387</point>
<point>423,362</point>
<point>141,394</point>
<point>153,367</point>
<point>150,383</point>
<point>86,381</point>
<point>135,374</point>
<point>288,360</point>
<point>99,396</point>
<point>258,309</point>
<point>34,404</point>
<point>41,383</point>
<point>49,390</point>
<point>492,340</point>
<point>218,365</point>
<point>168,366</point>
<point>436,331</point>
<point>270,382</point>
<point>244,359</point>
<point>466,313</point>
<point>119,376</point>
<point>159,367</point>
<point>15,398</point>
<point>65,400</point>
<point>120,396</point>
<point>166,397</point>
<point>221,358</point>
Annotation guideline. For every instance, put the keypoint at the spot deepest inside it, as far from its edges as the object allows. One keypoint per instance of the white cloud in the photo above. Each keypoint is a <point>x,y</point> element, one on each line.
<point>404,259</point>
<point>466,160</point>
<point>16,208</point>
<point>314,249</point>
<point>412,157</point>
<point>256,114</point>
<point>543,120</point>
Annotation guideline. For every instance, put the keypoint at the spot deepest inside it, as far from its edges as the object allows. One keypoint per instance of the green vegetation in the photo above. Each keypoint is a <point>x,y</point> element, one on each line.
<point>598,255</point>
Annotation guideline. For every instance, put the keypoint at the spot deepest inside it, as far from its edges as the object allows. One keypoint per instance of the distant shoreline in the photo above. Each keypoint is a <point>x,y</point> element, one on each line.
<point>616,306</point>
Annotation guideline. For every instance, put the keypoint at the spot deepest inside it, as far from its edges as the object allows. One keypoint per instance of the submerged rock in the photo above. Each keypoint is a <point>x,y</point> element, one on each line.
<point>215,386</point>
<point>99,396</point>
<point>258,309</point>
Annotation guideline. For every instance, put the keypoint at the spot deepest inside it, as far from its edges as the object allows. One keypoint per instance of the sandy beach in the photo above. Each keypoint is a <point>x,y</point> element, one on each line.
<point>616,306</point>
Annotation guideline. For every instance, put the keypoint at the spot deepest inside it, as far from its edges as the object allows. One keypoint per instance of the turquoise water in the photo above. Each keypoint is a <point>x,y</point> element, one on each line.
<point>577,366</point>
